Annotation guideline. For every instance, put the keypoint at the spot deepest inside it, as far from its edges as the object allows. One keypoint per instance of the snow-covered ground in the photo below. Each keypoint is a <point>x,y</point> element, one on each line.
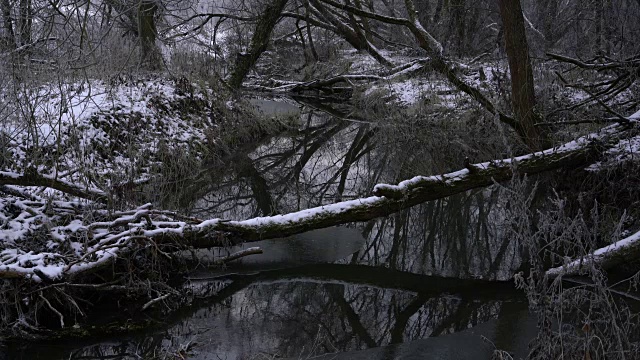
<point>95,135</point>
<point>109,129</point>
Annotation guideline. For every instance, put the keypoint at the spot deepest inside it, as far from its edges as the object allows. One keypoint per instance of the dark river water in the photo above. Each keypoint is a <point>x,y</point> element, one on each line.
<point>430,282</point>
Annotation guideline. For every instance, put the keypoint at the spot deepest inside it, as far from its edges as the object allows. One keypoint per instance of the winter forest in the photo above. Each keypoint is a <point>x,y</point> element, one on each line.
<point>331,179</point>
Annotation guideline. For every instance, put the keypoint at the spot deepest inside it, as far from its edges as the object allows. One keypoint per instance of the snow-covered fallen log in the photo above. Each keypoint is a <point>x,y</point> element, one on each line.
<point>70,245</point>
<point>606,257</point>
<point>388,199</point>
<point>391,198</point>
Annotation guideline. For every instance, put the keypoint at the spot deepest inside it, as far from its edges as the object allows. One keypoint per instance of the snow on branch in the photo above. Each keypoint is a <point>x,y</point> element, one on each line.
<point>54,241</point>
<point>607,257</point>
<point>574,153</point>
<point>394,73</point>
<point>388,199</point>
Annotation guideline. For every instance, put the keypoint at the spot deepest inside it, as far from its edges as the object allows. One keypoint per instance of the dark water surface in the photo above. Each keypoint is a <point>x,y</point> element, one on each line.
<point>430,282</point>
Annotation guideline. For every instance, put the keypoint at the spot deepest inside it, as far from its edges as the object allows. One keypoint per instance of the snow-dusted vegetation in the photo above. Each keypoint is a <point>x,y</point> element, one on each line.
<point>487,149</point>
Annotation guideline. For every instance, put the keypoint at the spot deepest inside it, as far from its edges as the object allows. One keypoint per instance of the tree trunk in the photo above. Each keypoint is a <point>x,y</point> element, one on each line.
<point>8,39</point>
<point>149,53</point>
<point>365,23</point>
<point>438,12</point>
<point>125,232</point>
<point>598,13</point>
<point>353,35</point>
<point>389,199</point>
<point>259,41</point>
<point>522,93</point>
<point>457,25</point>
<point>26,20</point>
<point>620,252</point>
<point>547,14</point>
<point>309,34</point>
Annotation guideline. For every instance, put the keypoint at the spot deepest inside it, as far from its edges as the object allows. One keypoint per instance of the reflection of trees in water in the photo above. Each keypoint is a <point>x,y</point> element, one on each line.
<point>459,236</point>
<point>340,317</point>
<point>328,160</point>
<point>317,314</point>
<point>292,171</point>
<point>333,159</point>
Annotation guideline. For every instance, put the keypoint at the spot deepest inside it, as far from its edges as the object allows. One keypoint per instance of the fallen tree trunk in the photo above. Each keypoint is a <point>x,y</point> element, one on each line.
<point>388,199</point>
<point>604,258</point>
<point>121,233</point>
<point>328,85</point>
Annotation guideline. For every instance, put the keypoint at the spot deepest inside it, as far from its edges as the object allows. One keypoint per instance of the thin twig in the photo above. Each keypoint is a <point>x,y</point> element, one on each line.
<point>621,119</point>
<point>238,255</point>
<point>153,301</point>
<point>53,309</point>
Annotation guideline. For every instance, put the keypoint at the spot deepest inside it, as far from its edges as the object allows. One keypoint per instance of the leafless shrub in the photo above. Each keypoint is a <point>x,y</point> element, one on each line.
<point>581,318</point>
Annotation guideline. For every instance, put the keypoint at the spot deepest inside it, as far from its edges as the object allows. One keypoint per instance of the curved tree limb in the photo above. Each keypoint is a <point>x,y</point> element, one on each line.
<point>34,179</point>
<point>261,35</point>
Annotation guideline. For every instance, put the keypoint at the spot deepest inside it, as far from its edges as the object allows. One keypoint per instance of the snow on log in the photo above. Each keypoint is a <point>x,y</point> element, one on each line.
<point>328,85</point>
<point>575,153</point>
<point>607,257</point>
<point>388,199</point>
<point>75,247</point>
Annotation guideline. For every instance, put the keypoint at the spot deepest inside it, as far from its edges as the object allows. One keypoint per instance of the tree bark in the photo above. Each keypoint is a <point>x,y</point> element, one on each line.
<point>607,257</point>
<point>353,35</point>
<point>34,179</point>
<point>8,40</point>
<point>522,92</point>
<point>547,14</point>
<point>458,25</point>
<point>259,42</point>
<point>434,49</point>
<point>150,57</point>
<point>26,20</point>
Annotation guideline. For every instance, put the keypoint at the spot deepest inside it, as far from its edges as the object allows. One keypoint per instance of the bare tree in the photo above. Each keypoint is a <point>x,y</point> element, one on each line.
<point>259,42</point>
<point>522,92</point>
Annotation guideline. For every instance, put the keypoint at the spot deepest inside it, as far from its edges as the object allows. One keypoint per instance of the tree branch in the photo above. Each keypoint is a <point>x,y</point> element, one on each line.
<point>607,257</point>
<point>31,178</point>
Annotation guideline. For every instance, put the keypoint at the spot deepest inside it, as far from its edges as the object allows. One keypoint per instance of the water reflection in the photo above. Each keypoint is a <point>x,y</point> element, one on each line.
<point>329,308</point>
<point>420,273</point>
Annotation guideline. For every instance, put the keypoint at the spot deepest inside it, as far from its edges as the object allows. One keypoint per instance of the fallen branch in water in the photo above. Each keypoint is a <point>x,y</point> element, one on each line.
<point>392,198</point>
<point>153,301</point>
<point>328,85</point>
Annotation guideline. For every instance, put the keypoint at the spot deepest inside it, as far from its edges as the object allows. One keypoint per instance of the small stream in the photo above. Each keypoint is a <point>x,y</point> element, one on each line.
<point>431,282</point>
